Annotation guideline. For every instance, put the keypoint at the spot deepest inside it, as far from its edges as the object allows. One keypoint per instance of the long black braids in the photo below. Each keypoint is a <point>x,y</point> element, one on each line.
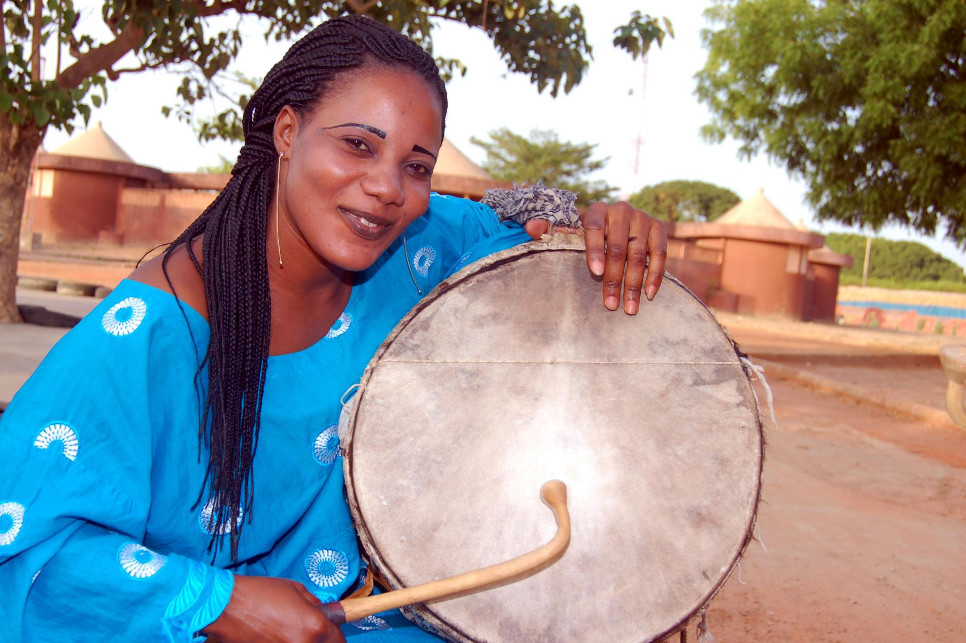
<point>234,263</point>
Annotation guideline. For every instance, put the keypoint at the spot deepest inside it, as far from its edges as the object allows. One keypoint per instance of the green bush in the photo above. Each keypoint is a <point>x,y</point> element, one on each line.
<point>903,263</point>
<point>894,284</point>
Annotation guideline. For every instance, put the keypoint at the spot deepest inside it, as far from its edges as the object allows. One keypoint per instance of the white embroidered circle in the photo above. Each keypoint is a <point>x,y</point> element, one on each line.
<point>340,326</point>
<point>327,567</point>
<point>326,446</point>
<point>139,561</point>
<point>370,623</point>
<point>11,520</point>
<point>423,259</point>
<point>60,434</point>
<point>125,316</point>
<point>209,526</point>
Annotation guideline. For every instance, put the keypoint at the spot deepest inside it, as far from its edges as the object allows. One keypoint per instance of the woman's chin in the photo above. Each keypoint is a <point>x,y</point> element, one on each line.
<point>356,259</point>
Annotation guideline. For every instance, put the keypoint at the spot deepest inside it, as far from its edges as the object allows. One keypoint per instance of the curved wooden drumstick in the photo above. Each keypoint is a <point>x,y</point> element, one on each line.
<point>553,493</point>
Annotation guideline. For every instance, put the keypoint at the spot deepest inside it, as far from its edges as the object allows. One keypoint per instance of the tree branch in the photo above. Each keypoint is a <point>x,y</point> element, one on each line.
<point>60,41</point>
<point>101,58</point>
<point>73,47</point>
<point>36,38</point>
<point>3,31</point>
<point>218,8</point>
<point>114,73</point>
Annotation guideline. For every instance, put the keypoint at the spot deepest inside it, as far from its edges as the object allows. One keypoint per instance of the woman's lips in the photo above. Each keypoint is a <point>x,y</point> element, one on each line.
<point>366,225</point>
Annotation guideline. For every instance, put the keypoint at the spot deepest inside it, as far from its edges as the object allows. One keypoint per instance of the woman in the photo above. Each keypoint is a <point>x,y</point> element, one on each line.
<point>134,503</point>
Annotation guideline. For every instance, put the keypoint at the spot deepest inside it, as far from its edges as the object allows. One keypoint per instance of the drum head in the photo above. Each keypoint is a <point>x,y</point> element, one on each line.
<point>512,373</point>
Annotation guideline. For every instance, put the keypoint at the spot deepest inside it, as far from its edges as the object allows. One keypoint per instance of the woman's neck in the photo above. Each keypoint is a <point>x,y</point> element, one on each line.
<point>307,299</point>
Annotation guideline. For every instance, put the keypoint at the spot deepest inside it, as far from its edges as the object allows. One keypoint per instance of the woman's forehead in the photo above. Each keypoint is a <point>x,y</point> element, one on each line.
<point>386,94</point>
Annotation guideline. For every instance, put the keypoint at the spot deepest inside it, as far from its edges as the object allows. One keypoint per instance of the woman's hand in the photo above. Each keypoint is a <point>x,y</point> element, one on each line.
<point>620,237</point>
<point>272,610</point>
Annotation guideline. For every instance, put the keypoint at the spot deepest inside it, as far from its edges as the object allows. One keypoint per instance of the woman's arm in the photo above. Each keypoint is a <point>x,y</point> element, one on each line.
<point>626,247</point>
<point>272,610</point>
<point>101,441</point>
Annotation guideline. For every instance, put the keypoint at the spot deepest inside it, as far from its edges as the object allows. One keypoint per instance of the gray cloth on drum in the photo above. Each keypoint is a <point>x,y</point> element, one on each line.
<point>537,201</point>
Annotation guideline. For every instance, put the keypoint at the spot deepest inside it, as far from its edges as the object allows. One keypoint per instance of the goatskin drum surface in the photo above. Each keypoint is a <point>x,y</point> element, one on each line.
<point>513,373</point>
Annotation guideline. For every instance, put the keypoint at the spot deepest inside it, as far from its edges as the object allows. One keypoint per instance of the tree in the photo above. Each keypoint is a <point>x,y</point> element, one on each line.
<point>684,200</point>
<point>900,261</point>
<point>864,99</point>
<point>544,157</point>
<point>533,37</point>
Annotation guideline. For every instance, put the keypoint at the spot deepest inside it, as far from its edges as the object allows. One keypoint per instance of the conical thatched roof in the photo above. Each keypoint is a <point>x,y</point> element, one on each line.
<point>756,211</point>
<point>452,162</point>
<point>94,144</point>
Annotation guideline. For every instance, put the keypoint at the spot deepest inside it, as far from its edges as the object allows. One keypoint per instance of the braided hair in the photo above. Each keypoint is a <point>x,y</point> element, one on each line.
<point>234,268</point>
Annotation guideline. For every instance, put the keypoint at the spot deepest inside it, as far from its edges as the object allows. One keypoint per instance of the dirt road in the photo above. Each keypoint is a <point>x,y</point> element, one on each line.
<point>863,519</point>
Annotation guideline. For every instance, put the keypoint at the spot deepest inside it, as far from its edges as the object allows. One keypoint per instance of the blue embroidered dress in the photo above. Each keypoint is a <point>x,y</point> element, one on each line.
<point>104,529</point>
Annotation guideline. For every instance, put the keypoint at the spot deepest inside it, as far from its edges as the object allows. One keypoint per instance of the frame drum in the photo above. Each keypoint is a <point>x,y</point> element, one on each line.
<point>512,373</point>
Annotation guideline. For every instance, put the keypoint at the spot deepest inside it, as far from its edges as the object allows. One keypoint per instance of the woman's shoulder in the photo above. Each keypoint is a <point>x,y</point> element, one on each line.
<point>446,209</point>
<point>178,277</point>
<point>453,221</point>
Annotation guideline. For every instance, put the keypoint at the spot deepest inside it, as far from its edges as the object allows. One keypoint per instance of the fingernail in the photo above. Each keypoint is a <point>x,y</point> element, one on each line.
<point>650,292</point>
<point>630,307</point>
<point>597,267</point>
<point>610,303</point>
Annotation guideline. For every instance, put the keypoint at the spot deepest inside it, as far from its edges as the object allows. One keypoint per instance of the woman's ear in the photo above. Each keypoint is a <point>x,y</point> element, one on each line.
<point>286,130</point>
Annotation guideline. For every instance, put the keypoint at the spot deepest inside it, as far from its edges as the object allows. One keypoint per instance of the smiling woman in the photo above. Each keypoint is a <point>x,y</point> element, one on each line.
<point>348,188</point>
<point>220,369</point>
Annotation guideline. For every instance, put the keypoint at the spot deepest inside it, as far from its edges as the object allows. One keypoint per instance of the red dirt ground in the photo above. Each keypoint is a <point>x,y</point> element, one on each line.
<point>863,515</point>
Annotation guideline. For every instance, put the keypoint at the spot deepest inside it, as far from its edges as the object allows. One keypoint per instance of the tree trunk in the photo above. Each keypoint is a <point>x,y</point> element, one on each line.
<point>18,144</point>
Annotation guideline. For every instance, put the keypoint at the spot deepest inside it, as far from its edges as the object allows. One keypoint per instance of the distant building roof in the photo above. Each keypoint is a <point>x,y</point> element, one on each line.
<point>756,211</point>
<point>95,143</point>
<point>452,162</point>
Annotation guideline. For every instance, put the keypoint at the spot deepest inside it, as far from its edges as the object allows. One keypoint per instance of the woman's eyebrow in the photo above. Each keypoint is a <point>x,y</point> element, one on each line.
<point>423,150</point>
<point>378,132</point>
<point>369,128</point>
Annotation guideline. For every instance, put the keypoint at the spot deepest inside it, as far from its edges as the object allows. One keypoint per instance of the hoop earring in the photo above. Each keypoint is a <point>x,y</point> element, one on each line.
<point>278,177</point>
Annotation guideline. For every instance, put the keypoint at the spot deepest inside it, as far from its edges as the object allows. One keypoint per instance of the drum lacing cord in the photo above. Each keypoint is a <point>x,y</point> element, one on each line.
<point>704,630</point>
<point>758,538</point>
<point>758,373</point>
<point>348,403</point>
<point>348,393</point>
<point>763,548</point>
<point>367,586</point>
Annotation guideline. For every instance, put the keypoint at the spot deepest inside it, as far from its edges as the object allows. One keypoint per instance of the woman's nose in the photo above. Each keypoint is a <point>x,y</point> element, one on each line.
<point>384,183</point>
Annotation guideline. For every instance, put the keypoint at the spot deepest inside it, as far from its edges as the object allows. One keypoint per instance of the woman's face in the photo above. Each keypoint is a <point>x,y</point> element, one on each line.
<point>357,168</point>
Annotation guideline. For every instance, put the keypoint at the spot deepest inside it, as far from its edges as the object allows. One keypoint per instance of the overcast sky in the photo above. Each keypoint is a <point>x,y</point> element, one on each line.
<point>619,103</point>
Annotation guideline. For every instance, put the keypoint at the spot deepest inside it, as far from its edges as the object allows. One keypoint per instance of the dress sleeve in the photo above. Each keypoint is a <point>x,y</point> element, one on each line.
<point>454,233</point>
<point>76,450</point>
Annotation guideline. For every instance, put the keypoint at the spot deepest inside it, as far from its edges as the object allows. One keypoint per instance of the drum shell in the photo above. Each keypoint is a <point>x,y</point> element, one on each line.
<point>512,373</point>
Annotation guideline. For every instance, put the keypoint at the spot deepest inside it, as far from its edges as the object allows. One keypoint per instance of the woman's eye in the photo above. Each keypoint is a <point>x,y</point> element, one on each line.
<point>358,144</point>
<point>421,170</point>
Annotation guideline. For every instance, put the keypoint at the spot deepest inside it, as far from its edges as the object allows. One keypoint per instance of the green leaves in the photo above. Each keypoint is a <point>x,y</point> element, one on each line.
<point>637,35</point>
<point>41,115</point>
<point>684,200</point>
<point>544,157</point>
<point>864,100</point>
<point>543,40</point>
<point>901,261</point>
